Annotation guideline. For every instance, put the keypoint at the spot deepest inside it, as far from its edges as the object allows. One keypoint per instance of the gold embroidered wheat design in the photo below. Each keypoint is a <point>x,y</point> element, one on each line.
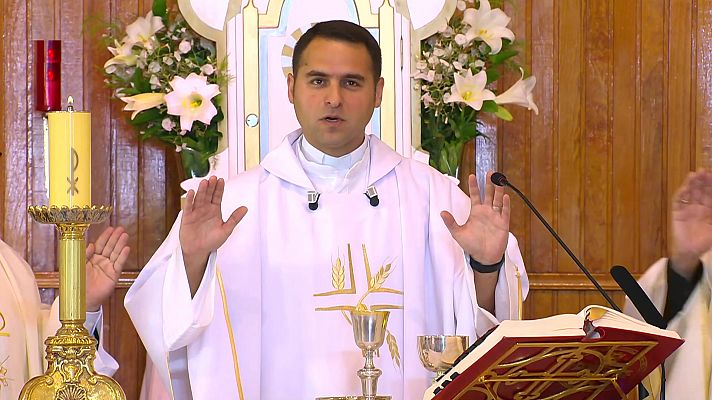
<point>337,275</point>
<point>375,284</point>
<point>393,348</point>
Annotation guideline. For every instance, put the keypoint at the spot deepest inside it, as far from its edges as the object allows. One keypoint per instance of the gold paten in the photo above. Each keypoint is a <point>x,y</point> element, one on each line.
<point>70,353</point>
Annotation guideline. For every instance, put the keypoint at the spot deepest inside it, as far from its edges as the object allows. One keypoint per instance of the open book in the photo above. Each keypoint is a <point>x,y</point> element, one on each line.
<point>598,353</point>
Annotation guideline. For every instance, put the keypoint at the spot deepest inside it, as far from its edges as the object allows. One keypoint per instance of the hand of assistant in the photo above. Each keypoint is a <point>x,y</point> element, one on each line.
<point>105,261</point>
<point>202,229</point>
<point>692,222</point>
<point>484,235</point>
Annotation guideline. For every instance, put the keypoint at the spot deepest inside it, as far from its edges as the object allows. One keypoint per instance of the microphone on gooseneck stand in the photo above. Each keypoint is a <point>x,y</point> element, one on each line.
<point>647,310</point>
<point>499,179</point>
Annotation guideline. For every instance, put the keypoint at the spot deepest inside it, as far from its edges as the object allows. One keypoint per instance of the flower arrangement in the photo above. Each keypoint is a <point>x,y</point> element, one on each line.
<point>458,67</point>
<point>170,79</point>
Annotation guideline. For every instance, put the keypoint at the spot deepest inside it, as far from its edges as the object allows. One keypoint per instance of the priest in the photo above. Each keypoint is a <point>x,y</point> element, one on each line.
<point>249,296</point>
<point>25,322</point>
<point>680,288</point>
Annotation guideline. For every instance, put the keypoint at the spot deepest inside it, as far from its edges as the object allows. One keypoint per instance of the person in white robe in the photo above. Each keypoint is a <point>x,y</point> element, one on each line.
<point>680,288</point>
<point>25,322</point>
<point>336,218</point>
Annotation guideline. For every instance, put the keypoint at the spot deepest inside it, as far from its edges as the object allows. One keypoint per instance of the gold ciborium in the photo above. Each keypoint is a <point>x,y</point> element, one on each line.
<point>70,353</point>
<point>439,352</point>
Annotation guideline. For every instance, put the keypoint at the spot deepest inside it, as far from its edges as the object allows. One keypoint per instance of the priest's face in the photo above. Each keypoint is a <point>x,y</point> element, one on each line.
<point>334,94</point>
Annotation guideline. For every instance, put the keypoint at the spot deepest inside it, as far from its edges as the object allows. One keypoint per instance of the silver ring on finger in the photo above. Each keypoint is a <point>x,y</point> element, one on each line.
<point>497,208</point>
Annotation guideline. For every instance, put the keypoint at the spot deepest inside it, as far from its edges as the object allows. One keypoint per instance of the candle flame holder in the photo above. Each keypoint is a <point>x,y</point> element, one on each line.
<point>71,352</point>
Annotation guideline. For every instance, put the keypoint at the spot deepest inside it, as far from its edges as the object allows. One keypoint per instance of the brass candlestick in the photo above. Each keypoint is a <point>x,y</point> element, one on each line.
<point>70,353</point>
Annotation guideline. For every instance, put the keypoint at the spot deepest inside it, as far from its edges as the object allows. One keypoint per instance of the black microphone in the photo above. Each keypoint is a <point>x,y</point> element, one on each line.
<point>372,195</point>
<point>637,296</point>
<point>499,179</point>
<point>647,310</point>
<point>313,199</point>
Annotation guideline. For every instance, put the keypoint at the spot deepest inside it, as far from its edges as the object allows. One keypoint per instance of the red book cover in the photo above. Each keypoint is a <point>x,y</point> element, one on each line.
<point>596,354</point>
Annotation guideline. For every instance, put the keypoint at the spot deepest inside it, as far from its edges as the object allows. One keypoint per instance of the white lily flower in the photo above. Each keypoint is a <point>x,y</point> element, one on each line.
<point>520,94</point>
<point>122,55</point>
<point>141,102</point>
<point>488,25</point>
<point>470,90</point>
<point>191,100</point>
<point>142,30</point>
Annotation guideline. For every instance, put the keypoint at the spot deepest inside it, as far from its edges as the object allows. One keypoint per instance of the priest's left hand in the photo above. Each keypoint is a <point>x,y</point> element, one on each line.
<point>105,260</point>
<point>484,235</point>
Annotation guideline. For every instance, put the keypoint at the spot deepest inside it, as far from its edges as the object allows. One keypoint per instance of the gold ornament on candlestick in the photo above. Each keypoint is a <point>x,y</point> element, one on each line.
<point>71,352</point>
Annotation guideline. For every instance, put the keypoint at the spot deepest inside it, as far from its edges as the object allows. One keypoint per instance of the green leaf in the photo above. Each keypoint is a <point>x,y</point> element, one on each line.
<point>503,56</point>
<point>489,106</point>
<point>140,83</point>
<point>492,75</point>
<point>469,131</point>
<point>503,113</point>
<point>160,10</point>
<point>442,163</point>
<point>146,116</point>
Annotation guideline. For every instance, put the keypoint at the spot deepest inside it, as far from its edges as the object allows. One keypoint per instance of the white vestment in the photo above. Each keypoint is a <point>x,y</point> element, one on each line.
<point>267,320</point>
<point>24,324</point>
<point>688,370</point>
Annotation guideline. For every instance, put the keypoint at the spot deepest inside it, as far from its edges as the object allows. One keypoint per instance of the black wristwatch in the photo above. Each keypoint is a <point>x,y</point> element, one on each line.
<point>486,269</point>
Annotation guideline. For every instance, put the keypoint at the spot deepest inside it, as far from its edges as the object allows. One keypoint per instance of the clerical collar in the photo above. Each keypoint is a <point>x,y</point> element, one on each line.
<point>350,172</point>
<point>342,163</point>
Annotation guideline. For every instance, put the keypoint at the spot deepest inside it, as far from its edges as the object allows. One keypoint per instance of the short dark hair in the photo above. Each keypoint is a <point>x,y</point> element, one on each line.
<point>344,31</point>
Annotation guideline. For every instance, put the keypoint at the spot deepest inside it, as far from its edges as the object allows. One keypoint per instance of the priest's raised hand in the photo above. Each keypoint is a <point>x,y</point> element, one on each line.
<point>202,229</point>
<point>692,222</point>
<point>484,235</point>
<point>105,260</point>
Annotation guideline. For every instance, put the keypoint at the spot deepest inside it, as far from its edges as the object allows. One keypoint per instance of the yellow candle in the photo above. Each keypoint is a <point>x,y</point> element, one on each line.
<point>69,157</point>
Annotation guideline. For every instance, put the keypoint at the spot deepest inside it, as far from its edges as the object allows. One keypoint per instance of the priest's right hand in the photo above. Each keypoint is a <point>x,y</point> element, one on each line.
<point>692,222</point>
<point>202,229</point>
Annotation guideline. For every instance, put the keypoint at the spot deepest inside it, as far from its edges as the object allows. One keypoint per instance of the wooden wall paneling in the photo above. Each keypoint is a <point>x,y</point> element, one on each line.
<point>126,347</point>
<point>15,217</point>
<point>650,185</point>
<point>570,116</point>
<point>98,99</point>
<point>513,137</point>
<point>568,301</point>
<point>543,136</point>
<point>596,133</point>
<point>680,111</point>
<point>622,235</point>
<point>539,304</point>
<point>151,200</point>
<point>70,19</point>
<point>125,147</point>
<point>703,105</point>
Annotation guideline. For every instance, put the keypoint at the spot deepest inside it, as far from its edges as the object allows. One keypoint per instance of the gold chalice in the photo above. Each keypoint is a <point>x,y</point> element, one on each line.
<point>439,352</point>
